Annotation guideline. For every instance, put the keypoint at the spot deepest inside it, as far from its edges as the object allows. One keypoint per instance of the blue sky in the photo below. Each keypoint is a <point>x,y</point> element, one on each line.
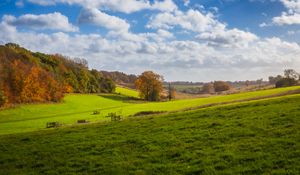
<point>194,40</point>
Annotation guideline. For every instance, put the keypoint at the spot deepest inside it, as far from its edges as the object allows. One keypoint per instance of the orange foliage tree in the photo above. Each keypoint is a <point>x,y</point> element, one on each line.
<point>149,85</point>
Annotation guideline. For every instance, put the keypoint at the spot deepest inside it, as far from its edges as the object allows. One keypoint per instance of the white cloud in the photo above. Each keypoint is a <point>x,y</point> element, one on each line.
<point>292,16</point>
<point>286,19</point>
<point>127,6</point>
<point>19,3</point>
<point>292,5</point>
<point>207,27</point>
<point>52,21</point>
<point>96,17</point>
<point>192,20</point>
<point>186,2</point>
<point>231,54</point>
<point>134,53</point>
<point>43,2</point>
<point>228,38</point>
<point>263,24</point>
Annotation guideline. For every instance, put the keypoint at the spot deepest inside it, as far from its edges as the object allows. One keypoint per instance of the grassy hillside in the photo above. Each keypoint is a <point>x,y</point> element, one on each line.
<point>250,138</point>
<point>75,107</point>
<point>127,92</point>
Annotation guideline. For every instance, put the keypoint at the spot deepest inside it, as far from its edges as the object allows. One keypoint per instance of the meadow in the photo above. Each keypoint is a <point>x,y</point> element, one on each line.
<point>257,137</point>
<point>32,117</point>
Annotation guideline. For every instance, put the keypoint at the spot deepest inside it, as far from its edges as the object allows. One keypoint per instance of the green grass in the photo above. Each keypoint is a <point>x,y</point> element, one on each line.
<point>27,118</point>
<point>260,137</point>
<point>127,92</point>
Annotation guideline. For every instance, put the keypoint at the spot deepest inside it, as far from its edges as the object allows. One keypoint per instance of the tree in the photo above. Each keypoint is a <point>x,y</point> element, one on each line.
<point>171,92</point>
<point>221,86</point>
<point>208,88</point>
<point>273,80</point>
<point>286,82</point>
<point>290,73</point>
<point>149,85</point>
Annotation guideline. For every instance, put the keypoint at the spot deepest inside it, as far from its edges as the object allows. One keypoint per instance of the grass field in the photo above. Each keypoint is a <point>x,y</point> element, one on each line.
<point>127,92</point>
<point>34,117</point>
<point>259,137</point>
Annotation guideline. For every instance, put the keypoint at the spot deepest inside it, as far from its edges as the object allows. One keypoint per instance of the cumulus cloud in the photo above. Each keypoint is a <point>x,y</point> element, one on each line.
<point>228,38</point>
<point>127,6</point>
<point>292,16</point>
<point>192,20</point>
<point>287,19</point>
<point>209,29</point>
<point>96,17</point>
<point>52,21</point>
<point>231,54</point>
<point>144,52</point>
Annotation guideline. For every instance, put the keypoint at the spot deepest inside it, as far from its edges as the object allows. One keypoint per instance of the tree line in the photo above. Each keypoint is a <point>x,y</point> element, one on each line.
<point>27,77</point>
<point>290,78</point>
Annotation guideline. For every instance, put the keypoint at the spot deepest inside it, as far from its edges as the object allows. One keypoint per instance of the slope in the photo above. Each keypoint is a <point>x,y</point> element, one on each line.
<point>250,138</point>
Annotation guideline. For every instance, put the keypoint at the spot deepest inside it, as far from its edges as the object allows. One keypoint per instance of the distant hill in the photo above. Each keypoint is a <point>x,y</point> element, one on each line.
<point>121,78</point>
<point>27,77</point>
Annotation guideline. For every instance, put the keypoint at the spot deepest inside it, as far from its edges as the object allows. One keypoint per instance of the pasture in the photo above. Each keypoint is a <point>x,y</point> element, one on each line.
<point>258,137</point>
<point>25,118</point>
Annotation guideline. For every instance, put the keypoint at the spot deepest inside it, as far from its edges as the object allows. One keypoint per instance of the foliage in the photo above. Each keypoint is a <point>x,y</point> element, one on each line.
<point>27,77</point>
<point>250,138</point>
<point>114,116</point>
<point>171,92</point>
<point>121,78</point>
<point>274,80</point>
<point>286,82</point>
<point>290,73</point>
<point>290,78</point>
<point>220,86</point>
<point>150,86</point>
<point>208,88</point>
<point>2,98</point>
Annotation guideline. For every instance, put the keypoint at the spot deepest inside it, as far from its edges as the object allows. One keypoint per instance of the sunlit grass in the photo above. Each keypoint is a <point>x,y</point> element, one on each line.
<point>33,117</point>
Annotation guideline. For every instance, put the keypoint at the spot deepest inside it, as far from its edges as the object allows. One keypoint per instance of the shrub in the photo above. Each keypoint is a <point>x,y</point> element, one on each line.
<point>82,121</point>
<point>96,112</point>
<point>285,82</point>
<point>53,125</point>
<point>221,86</point>
<point>148,113</point>
<point>114,116</point>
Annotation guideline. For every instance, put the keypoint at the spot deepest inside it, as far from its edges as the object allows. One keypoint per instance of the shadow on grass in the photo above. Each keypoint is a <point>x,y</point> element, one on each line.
<point>119,97</point>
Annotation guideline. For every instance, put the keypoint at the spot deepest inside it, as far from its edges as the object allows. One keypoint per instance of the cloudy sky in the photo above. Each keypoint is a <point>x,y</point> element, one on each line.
<point>193,40</point>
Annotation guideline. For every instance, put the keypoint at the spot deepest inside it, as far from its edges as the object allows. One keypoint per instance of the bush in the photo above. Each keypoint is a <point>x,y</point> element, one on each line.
<point>82,121</point>
<point>220,86</point>
<point>286,82</point>
<point>96,112</point>
<point>148,113</point>
<point>53,125</point>
<point>114,116</point>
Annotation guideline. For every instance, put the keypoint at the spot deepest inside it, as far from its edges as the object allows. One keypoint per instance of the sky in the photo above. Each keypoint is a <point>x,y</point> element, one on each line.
<point>183,40</point>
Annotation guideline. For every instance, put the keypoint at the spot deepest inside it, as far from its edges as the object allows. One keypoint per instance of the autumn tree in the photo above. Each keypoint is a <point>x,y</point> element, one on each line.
<point>208,88</point>
<point>149,85</point>
<point>171,92</point>
<point>220,86</point>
